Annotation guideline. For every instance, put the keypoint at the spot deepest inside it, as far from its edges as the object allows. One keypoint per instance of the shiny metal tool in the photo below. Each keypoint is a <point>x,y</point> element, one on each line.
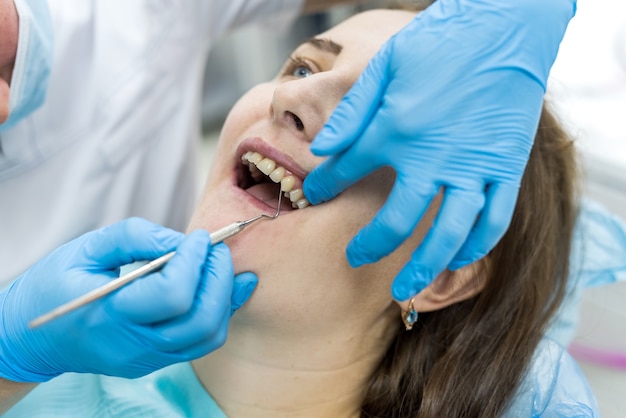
<point>216,237</point>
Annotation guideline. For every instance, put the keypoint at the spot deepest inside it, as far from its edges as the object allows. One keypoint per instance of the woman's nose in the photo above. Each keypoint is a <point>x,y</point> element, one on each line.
<point>304,105</point>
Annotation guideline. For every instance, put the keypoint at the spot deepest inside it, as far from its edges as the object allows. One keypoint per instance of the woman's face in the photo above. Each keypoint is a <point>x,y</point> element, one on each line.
<point>304,278</point>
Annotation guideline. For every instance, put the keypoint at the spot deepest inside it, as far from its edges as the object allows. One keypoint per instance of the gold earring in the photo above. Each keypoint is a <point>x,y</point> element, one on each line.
<point>409,317</point>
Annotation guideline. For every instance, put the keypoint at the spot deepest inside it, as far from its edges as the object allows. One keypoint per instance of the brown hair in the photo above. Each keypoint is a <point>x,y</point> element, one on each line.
<point>468,360</point>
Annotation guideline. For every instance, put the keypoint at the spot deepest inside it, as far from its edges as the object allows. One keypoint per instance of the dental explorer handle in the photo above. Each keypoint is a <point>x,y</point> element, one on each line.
<point>98,293</point>
<point>227,232</point>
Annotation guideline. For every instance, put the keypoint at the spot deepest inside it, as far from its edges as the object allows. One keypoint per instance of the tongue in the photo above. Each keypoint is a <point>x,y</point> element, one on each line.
<point>268,194</point>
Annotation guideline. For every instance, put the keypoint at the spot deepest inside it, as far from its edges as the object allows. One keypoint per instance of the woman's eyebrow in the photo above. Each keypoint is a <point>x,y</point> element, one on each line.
<point>324,44</point>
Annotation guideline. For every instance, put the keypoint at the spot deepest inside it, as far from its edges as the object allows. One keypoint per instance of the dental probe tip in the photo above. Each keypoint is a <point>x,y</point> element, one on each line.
<point>247,222</point>
<point>280,198</point>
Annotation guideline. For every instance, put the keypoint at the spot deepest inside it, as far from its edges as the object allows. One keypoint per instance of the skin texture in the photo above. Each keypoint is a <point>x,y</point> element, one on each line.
<point>8,49</point>
<point>309,300</point>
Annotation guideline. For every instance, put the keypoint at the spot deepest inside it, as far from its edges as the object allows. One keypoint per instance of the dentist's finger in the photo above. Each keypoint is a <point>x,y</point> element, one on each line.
<point>393,223</point>
<point>207,345</point>
<point>244,285</point>
<point>336,174</point>
<point>127,241</point>
<point>356,109</point>
<point>454,221</point>
<point>171,292</point>
<point>491,225</point>
<point>211,308</point>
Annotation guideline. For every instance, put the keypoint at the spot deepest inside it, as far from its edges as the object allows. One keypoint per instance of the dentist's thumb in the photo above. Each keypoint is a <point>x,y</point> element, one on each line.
<point>243,286</point>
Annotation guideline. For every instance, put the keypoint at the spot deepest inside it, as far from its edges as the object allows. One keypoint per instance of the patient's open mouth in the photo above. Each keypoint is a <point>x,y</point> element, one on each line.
<point>264,177</point>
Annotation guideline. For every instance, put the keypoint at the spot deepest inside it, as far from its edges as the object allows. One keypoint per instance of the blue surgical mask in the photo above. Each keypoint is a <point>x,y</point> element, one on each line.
<point>32,61</point>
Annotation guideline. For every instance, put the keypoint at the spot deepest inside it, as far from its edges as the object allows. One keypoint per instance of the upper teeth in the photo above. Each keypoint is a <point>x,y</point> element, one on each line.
<point>257,164</point>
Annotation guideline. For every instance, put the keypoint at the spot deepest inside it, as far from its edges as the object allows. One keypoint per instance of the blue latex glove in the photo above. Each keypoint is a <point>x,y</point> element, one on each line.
<point>174,315</point>
<point>452,101</point>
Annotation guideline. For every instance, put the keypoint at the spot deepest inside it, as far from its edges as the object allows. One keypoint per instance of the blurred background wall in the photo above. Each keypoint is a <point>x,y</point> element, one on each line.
<point>254,54</point>
<point>588,88</point>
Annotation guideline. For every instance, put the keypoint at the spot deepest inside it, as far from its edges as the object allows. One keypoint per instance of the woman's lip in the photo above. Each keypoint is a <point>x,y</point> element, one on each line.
<point>253,201</point>
<point>263,148</point>
<point>280,158</point>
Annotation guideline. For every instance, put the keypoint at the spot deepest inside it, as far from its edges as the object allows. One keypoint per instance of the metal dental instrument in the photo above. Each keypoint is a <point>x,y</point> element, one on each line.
<point>216,237</point>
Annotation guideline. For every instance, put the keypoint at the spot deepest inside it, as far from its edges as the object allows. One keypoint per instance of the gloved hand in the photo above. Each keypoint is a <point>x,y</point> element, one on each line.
<point>174,315</point>
<point>452,101</point>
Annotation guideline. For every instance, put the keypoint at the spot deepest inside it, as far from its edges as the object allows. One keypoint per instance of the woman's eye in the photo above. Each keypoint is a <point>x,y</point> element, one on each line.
<point>302,71</point>
<point>299,68</point>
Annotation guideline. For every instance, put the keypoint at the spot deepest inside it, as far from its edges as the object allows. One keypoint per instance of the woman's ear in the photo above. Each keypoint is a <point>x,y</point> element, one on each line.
<point>451,287</point>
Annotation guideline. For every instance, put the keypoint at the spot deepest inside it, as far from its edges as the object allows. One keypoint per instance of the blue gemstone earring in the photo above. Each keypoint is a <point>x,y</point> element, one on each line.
<point>409,317</point>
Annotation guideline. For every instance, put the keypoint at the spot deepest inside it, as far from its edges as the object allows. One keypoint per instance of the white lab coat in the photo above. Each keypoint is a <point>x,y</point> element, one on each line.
<point>117,134</point>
